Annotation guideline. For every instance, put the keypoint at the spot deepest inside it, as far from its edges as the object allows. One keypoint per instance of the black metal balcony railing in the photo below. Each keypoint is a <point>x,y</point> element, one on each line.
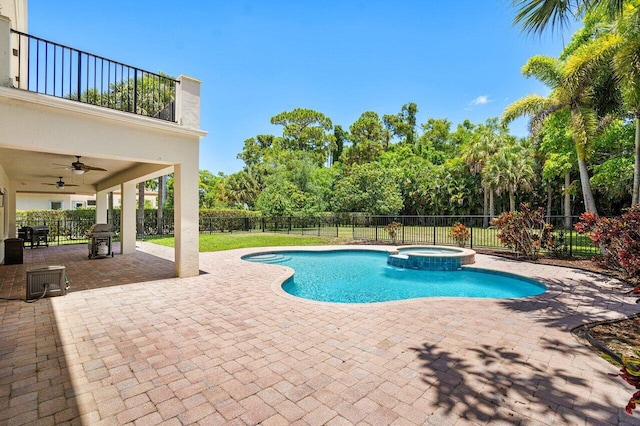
<point>57,70</point>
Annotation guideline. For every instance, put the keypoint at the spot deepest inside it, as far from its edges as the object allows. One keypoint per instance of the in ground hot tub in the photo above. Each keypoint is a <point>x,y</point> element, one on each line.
<point>431,258</point>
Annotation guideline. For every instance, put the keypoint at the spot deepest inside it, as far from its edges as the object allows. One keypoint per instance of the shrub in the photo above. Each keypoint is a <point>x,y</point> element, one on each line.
<point>460,234</point>
<point>392,230</point>
<point>618,237</point>
<point>525,231</point>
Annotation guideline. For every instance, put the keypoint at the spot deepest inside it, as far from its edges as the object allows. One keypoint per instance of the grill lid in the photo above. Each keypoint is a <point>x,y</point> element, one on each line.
<point>100,227</point>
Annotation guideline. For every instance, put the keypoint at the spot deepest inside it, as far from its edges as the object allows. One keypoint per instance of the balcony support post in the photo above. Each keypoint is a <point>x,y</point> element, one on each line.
<point>5,52</point>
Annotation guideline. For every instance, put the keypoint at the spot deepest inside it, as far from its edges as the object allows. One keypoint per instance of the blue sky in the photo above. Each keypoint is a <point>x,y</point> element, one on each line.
<point>455,59</point>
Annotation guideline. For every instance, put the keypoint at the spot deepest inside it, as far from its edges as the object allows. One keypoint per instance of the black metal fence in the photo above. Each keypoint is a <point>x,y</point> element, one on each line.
<point>63,231</point>
<point>432,230</point>
<point>57,70</point>
<point>435,230</point>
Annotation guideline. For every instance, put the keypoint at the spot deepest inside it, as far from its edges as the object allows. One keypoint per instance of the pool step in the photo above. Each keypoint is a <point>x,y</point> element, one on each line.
<point>269,258</point>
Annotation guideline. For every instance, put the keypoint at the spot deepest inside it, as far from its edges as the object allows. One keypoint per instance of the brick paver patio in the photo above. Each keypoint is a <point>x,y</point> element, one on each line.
<point>131,345</point>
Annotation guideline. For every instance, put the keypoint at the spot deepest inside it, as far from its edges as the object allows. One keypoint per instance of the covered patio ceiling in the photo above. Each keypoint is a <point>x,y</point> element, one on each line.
<point>38,172</point>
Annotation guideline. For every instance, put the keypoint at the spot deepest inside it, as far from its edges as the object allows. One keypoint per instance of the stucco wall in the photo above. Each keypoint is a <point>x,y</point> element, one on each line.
<point>4,225</point>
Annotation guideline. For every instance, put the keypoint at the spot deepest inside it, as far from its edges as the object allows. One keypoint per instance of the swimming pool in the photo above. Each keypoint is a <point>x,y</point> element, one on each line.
<point>363,276</point>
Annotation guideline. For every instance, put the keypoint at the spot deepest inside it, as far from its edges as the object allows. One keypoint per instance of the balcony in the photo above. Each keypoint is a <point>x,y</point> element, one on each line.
<point>53,69</point>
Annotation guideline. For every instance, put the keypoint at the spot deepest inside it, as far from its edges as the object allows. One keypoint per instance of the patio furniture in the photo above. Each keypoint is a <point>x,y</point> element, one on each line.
<point>34,235</point>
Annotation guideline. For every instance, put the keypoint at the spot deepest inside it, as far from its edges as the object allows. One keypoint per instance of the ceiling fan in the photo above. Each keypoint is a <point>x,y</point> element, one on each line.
<point>79,168</point>
<point>59,184</point>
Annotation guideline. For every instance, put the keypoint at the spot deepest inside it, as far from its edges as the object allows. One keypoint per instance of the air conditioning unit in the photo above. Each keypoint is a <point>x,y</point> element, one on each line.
<point>52,278</point>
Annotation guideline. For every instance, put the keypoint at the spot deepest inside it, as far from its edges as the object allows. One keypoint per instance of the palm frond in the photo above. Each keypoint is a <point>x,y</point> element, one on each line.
<point>536,15</point>
<point>529,106</point>
<point>543,68</point>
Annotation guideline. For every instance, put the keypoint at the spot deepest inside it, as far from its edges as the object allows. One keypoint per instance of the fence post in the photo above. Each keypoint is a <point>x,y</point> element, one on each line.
<point>402,230</point>
<point>471,237</point>
<point>434,231</point>
<point>571,242</point>
<point>353,227</point>
<point>376,231</point>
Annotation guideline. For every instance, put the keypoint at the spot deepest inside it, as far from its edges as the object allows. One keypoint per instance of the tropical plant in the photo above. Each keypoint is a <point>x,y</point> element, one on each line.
<point>524,231</point>
<point>619,237</point>
<point>392,230</point>
<point>484,143</point>
<point>510,169</point>
<point>571,90</point>
<point>460,234</point>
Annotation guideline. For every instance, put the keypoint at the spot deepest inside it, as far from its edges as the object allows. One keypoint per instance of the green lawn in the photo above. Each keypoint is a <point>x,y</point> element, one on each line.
<point>230,241</point>
<point>482,238</point>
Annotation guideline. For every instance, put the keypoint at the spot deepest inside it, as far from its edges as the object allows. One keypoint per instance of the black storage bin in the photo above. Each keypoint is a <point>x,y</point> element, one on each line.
<point>13,251</point>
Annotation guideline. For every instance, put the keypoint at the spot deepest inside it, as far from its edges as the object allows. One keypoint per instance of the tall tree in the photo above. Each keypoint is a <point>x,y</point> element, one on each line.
<point>510,169</point>
<point>403,124</point>
<point>306,130</point>
<point>367,135</point>
<point>571,87</point>
<point>483,144</point>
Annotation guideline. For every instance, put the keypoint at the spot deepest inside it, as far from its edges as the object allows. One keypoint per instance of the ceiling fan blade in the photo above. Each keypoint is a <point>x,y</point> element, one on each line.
<point>88,168</point>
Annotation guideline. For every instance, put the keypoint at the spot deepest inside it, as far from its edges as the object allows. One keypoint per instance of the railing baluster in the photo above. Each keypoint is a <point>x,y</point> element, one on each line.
<point>155,98</point>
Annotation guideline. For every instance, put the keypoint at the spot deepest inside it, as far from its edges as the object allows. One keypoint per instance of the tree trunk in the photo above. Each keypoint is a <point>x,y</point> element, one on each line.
<point>635,196</point>
<point>589,202</point>
<point>549,201</point>
<point>141,209</point>
<point>512,201</point>
<point>160,212</point>
<point>567,201</point>
<point>492,207</point>
<point>485,208</point>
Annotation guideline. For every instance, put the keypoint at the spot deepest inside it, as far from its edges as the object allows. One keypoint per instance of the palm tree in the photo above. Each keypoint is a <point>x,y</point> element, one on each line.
<point>627,65</point>
<point>535,15</point>
<point>571,84</point>
<point>242,188</point>
<point>483,144</point>
<point>510,169</point>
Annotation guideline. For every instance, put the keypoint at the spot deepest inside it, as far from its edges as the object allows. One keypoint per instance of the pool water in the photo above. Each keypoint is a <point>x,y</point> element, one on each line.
<point>363,276</point>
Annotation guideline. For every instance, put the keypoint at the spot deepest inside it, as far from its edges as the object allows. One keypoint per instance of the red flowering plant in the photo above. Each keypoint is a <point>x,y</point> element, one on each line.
<point>619,239</point>
<point>524,231</point>
<point>460,234</point>
<point>630,373</point>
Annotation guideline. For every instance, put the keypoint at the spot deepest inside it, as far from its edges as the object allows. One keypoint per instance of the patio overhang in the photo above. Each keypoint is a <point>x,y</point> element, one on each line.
<point>41,135</point>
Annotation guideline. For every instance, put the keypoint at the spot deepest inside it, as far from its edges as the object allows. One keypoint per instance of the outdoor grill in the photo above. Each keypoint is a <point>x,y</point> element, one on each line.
<point>100,244</point>
<point>34,235</point>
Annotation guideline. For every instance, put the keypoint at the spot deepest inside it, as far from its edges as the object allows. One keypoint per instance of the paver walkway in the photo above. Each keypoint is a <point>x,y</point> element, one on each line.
<point>227,347</point>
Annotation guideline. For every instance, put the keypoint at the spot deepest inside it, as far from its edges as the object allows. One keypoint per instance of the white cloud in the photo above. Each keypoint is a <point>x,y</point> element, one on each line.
<point>480,100</point>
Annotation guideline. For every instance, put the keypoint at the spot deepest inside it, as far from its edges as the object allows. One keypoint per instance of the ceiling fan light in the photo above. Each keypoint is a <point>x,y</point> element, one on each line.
<point>77,171</point>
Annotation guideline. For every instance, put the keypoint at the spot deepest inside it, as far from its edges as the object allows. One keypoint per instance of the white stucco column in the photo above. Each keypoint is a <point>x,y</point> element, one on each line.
<point>128,218</point>
<point>102,206</point>
<point>185,187</point>
<point>11,211</point>
<point>5,52</point>
<point>188,102</point>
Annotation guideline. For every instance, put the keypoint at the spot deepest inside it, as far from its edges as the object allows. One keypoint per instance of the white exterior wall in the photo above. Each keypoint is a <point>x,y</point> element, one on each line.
<point>43,201</point>
<point>45,124</point>
<point>4,211</point>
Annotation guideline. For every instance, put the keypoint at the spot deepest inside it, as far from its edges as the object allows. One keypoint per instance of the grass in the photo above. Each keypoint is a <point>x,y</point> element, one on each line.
<point>230,241</point>
<point>482,238</point>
